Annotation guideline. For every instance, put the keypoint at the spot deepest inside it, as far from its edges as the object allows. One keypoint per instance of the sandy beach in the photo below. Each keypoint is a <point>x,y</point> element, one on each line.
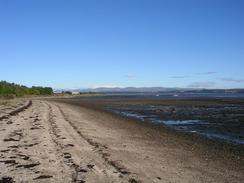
<point>58,141</point>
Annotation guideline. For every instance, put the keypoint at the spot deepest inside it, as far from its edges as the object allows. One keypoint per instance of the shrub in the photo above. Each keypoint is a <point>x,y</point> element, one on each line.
<point>12,89</point>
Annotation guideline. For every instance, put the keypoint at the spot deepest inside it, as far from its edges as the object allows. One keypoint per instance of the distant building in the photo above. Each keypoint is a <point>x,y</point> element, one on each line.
<point>75,92</point>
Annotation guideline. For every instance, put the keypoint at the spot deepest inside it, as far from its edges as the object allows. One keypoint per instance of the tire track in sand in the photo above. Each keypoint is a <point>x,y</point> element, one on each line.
<point>101,150</point>
<point>65,157</point>
<point>78,152</point>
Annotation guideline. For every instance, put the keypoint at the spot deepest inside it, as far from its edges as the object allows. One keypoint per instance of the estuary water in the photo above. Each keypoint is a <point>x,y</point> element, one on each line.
<point>224,122</point>
<point>221,123</point>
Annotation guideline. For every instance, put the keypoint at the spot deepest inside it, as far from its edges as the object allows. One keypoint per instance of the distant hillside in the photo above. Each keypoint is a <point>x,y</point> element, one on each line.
<point>131,89</point>
<point>160,89</point>
<point>217,91</point>
<point>11,90</point>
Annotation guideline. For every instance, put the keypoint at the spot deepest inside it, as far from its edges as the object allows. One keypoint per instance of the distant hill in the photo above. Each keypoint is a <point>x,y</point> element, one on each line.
<point>217,91</point>
<point>131,89</point>
<point>159,89</point>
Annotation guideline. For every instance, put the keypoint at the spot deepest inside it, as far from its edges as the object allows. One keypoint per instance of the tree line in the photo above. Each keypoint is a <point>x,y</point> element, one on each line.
<point>12,89</point>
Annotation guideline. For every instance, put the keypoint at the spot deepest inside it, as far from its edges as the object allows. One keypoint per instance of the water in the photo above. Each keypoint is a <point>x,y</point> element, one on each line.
<point>215,122</point>
<point>218,120</point>
<point>163,95</point>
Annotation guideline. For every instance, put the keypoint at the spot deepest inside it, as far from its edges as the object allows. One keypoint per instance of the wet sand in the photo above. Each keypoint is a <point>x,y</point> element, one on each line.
<point>66,141</point>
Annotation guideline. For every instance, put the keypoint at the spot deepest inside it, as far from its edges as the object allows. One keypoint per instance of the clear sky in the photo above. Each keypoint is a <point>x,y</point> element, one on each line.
<point>88,43</point>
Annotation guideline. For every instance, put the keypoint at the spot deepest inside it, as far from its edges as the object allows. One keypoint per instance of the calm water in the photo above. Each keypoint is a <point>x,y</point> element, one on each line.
<point>224,122</point>
<point>231,131</point>
<point>163,95</point>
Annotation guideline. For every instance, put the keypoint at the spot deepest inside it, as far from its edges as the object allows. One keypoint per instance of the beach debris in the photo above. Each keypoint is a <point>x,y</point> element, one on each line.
<point>6,179</point>
<point>90,166</point>
<point>8,162</point>
<point>28,165</point>
<point>43,177</point>
<point>67,155</point>
<point>132,180</point>
<point>14,136</point>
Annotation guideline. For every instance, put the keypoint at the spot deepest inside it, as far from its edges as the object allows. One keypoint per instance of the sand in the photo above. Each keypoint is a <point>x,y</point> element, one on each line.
<point>60,142</point>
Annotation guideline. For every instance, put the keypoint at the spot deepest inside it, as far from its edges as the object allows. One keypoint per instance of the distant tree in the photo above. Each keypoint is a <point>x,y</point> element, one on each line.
<point>12,89</point>
<point>43,90</point>
<point>33,91</point>
<point>67,92</point>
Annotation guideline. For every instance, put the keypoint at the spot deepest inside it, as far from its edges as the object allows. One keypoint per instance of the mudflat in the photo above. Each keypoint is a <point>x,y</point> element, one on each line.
<point>68,140</point>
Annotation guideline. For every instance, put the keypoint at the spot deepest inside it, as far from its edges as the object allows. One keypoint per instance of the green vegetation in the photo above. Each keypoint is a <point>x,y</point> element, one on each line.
<point>14,90</point>
<point>67,92</point>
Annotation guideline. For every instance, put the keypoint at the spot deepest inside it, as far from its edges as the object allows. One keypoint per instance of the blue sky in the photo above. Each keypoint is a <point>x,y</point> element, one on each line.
<point>88,43</point>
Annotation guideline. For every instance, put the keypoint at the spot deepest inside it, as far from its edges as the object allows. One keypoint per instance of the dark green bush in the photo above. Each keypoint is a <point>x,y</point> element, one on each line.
<point>12,89</point>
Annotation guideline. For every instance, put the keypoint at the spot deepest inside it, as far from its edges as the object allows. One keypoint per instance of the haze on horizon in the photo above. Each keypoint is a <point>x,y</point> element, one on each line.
<point>143,43</point>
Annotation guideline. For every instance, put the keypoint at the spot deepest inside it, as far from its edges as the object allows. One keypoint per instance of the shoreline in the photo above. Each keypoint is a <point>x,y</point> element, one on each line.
<point>164,127</point>
<point>63,141</point>
<point>233,148</point>
<point>211,152</point>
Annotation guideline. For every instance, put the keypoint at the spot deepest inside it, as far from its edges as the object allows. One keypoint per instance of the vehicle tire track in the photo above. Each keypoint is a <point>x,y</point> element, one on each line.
<point>101,150</point>
<point>30,151</point>
<point>65,157</point>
